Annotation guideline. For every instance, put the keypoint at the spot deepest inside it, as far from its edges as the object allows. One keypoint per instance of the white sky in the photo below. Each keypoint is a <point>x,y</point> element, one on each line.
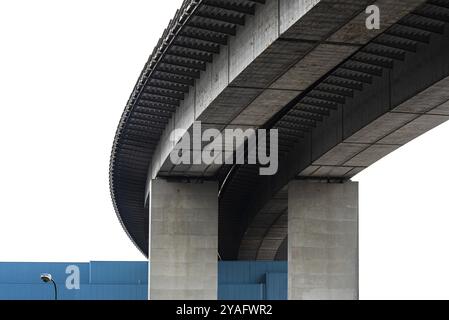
<point>66,71</point>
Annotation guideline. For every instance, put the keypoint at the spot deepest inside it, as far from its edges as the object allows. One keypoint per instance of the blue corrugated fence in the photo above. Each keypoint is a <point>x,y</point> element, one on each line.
<point>99,280</point>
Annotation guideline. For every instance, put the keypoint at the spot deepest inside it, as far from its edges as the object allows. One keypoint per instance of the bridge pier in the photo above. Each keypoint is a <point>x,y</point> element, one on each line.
<point>322,240</point>
<point>183,240</point>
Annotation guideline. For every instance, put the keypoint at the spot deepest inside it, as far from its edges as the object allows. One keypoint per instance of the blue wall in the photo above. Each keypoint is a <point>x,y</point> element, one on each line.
<point>252,280</point>
<point>129,280</point>
<point>98,281</point>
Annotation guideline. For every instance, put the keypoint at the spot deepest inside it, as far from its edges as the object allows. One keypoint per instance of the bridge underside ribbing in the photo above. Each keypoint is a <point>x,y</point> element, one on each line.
<point>386,94</point>
<point>341,96</point>
<point>195,37</point>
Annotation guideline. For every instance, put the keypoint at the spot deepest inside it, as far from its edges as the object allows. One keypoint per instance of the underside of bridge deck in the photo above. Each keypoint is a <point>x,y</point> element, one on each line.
<point>384,95</point>
<point>340,95</point>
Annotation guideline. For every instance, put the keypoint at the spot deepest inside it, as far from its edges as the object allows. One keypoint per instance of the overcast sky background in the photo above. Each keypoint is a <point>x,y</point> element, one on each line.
<point>67,69</point>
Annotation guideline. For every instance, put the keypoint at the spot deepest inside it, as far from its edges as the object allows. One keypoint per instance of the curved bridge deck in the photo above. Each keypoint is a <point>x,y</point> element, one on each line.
<point>341,96</point>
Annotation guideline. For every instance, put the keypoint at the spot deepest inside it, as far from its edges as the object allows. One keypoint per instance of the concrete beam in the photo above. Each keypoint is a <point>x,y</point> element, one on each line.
<point>322,241</point>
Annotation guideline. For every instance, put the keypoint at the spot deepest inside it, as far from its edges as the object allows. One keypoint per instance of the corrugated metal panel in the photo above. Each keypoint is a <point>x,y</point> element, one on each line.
<point>99,281</point>
<point>123,272</point>
<point>276,286</point>
<point>250,280</point>
<point>232,272</point>
<point>29,272</point>
<point>109,292</point>
<point>241,291</point>
<point>26,292</point>
<point>238,280</point>
<point>86,292</point>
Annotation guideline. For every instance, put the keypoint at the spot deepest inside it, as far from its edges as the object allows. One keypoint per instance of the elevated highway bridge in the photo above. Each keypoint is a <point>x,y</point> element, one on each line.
<point>341,96</point>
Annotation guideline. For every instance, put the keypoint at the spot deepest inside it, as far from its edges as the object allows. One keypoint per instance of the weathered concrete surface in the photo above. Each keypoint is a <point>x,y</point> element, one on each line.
<point>395,108</point>
<point>405,102</point>
<point>283,49</point>
<point>393,129</point>
<point>322,240</point>
<point>183,240</point>
<point>279,53</point>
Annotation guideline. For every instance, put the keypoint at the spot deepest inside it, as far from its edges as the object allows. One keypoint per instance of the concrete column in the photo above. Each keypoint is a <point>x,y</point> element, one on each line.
<point>183,240</point>
<point>322,240</point>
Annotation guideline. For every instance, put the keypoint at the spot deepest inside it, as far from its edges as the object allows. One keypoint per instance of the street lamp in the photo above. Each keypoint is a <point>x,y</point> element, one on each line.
<point>46,277</point>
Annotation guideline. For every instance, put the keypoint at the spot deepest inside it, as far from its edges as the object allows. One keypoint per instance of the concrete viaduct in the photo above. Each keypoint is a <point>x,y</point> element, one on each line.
<point>342,97</point>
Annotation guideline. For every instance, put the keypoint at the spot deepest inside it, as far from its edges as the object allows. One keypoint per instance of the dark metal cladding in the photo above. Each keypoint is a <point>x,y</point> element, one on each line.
<point>193,36</point>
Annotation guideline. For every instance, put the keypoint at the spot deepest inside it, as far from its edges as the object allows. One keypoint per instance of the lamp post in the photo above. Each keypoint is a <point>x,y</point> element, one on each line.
<point>46,277</point>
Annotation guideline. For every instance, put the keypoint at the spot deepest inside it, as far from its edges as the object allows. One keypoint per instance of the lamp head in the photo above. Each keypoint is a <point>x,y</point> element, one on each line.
<point>46,277</point>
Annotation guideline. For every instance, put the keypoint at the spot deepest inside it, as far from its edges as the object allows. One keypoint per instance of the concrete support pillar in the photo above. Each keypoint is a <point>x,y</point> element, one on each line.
<point>322,240</point>
<point>183,240</point>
